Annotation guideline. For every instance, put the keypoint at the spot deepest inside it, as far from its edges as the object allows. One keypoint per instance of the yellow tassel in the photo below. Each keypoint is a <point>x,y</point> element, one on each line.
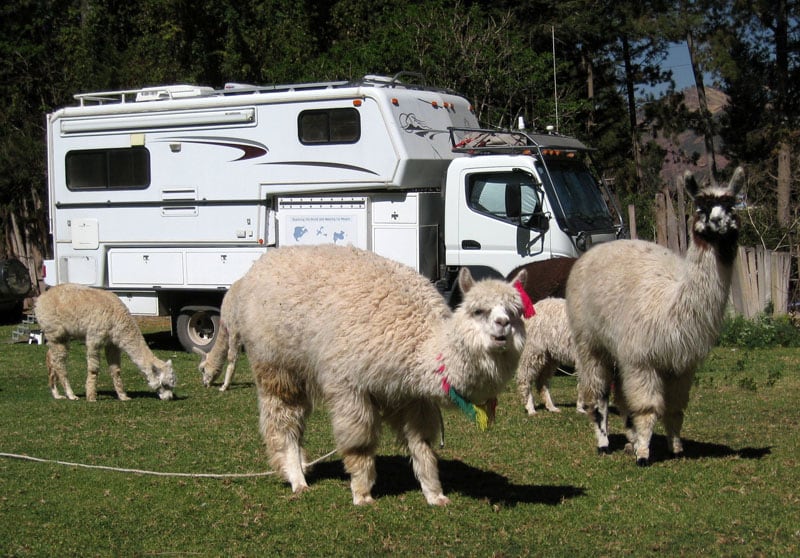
<point>481,418</point>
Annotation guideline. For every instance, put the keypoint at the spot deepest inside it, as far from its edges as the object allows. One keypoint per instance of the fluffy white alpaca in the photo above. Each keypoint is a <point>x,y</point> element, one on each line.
<point>99,317</point>
<point>656,315</point>
<point>227,344</point>
<point>377,343</point>
<point>548,345</point>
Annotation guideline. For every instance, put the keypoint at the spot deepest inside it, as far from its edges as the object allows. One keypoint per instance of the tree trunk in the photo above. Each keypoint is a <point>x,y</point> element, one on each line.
<point>705,114</point>
<point>631,95</point>
<point>784,183</point>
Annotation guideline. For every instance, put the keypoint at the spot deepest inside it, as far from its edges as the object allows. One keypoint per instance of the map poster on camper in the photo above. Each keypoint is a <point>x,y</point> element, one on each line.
<point>305,229</point>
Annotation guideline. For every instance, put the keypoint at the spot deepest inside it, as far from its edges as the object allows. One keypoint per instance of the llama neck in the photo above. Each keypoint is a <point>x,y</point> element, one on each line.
<point>706,285</point>
<point>134,345</point>
<point>476,373</point>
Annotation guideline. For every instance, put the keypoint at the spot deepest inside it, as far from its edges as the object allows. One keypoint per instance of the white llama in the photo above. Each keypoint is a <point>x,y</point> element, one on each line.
<point>656,315</point>
<point>99,317</point>
<point>548,345</point>
<point>376,342</point>
<point>227,344</point>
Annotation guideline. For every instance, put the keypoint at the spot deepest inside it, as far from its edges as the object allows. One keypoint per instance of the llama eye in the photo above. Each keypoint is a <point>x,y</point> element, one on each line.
<point>478,312</point>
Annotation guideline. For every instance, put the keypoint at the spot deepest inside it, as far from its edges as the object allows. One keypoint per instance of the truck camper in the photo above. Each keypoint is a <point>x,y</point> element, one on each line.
<point>166,195</point>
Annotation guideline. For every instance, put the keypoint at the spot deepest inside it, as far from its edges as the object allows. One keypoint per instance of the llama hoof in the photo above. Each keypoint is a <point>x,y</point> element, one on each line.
<point>440,500</point>
<point>554,409</point>
<point>363,500</point>
<point>223,388</point>
<point>165,395</point>
<point>642,462</point>
<point>629,449</point>
<point>123,397</point>
<point>531,412</point>
<point>603,450</point>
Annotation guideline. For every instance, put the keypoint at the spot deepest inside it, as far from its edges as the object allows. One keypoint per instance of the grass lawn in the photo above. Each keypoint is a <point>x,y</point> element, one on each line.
<point>529,486</point>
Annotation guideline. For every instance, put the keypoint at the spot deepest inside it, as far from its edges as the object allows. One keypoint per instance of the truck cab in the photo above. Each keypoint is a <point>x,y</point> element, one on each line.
<point>532,196</point>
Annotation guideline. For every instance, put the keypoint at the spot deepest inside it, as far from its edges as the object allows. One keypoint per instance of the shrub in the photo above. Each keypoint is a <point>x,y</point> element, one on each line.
<point>763,331</point>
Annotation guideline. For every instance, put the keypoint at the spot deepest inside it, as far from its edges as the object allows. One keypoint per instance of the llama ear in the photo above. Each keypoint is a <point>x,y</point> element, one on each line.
<point>521,277</point>
<point>737,181</point>
<point>690,183</point>
<point>465,280</point>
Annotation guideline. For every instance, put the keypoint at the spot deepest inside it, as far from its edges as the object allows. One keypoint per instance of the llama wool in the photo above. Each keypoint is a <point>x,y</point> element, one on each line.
<point>376,342</point>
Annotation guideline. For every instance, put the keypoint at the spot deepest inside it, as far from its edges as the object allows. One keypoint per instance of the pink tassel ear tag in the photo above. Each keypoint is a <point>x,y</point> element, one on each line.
<point>527,305</point>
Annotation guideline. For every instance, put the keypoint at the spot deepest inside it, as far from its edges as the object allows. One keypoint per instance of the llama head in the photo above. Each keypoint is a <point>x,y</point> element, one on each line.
<point>206,371</point>
<point>714,214</point>
<point>488,333</point>
<point>491,312</point>
<point>165,379</point>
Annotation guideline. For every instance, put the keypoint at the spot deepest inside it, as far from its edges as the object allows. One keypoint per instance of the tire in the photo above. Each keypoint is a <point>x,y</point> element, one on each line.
<point>197,328</point>
<point>14,279</point>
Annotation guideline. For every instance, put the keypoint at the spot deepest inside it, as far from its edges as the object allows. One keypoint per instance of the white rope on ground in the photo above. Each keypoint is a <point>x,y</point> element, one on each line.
<point>156,473</point>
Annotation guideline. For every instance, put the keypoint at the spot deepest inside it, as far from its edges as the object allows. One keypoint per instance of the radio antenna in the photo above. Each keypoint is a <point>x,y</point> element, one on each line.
<point>555,82</point>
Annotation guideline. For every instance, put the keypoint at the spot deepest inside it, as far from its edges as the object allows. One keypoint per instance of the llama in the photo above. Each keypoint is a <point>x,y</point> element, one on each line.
<point>656,315</point>
<point>70,311</point>
<point>227,344</point>
<point>548,345</point>
<point>376,342</point>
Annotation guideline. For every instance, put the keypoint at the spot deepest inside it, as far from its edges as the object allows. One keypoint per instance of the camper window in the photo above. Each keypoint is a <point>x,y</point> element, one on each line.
<point>326,126</point>
<point>108,169</point>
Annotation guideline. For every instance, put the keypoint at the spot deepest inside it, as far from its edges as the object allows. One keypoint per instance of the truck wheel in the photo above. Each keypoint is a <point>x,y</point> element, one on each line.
<point>197,328</point>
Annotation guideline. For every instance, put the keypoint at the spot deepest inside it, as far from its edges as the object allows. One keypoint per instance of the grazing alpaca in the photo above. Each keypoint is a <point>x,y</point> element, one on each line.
<point>377,343</point>
<point>100,318</point>
<point>656,315</point>
<point>227,344</point>
<point>548,345</point>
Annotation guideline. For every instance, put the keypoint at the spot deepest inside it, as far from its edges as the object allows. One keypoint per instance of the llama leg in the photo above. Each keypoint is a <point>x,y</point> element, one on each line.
<point>56,360</point>
<point>677,398</point>
<point>543,386</point>
<point>113,358</point>
<point>283,407</point>
<point>233,354</point>
<point>593,385</point>
<point>642,394</point>
<point>524,381</point>
<point>419,426</point>
<point>92,369</point>
<point>356,429</point>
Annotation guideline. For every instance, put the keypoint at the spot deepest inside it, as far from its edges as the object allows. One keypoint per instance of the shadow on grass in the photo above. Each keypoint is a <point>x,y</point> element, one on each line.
<point>163,341</point>
<point>396,477</point>
<point>660,449</point>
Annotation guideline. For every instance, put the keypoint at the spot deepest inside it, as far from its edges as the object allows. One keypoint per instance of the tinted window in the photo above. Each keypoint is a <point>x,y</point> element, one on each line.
<point>329,126</point>
<point>108,169</point>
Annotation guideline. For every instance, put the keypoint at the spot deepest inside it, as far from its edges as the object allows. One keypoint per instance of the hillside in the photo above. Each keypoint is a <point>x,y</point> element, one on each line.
<point>681,149</point>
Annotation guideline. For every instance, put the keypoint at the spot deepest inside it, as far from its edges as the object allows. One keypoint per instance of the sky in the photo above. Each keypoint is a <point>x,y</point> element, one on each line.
<point>678,61</point>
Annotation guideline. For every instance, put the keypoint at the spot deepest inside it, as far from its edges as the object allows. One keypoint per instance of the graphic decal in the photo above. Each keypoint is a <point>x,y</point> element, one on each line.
<point>249,149</point>
<point>323,164</point>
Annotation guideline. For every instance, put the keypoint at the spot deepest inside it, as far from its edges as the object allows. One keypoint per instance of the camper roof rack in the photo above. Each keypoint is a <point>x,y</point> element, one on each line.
<point>404,80</point>
<point>481,140</point>
<point>157,93</point>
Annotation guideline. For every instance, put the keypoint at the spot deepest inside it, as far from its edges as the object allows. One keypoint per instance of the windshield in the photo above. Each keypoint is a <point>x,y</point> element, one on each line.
<point>578,195</point>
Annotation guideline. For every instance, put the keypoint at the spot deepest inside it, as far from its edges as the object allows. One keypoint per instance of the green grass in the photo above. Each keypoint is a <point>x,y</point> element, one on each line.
<point>530,486</point>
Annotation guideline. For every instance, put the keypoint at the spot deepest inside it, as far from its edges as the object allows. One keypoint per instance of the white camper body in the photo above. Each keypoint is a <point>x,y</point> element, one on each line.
<point>166,195</point>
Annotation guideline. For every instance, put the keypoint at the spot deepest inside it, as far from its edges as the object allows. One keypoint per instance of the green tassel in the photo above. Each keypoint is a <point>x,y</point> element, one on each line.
<point>476,414</point>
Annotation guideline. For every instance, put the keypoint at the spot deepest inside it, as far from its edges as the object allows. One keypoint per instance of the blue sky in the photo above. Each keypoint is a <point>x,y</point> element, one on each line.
<point>678,62</point>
